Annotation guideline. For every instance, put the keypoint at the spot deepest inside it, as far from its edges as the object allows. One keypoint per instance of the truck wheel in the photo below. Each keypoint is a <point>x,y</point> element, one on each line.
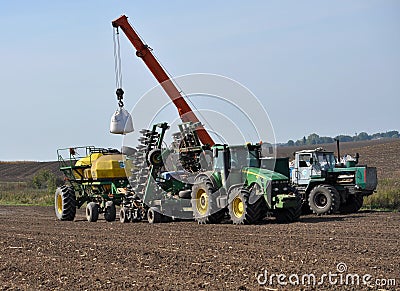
<point>92,212</point>
<point>204,205</point>
<point>305,209</point>
<point>324,199</point>
<point>352,205</point>
<point>292,214</point>
<point>242,212</point>
<point>153,215</point>
<point>65,203</point>
<point>124,216</point>
<point>110,213</point>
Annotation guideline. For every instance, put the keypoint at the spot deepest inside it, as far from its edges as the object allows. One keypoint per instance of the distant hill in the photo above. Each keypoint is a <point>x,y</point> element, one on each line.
<point>24,171</point>
<point>383,154</point>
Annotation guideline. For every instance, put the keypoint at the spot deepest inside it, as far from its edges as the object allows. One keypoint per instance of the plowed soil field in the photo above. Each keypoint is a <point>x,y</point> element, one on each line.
<point>39,253</point>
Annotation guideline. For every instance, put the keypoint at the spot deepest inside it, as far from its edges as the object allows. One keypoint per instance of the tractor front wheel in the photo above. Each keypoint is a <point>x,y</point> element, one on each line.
<point>92,212</point>
<point>65,203</point>
<point>324,199</point>
<point>241,211</point>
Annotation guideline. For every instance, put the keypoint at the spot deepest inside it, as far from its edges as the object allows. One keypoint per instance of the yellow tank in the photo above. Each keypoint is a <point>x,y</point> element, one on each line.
<point>86,161</point>
<point>108,166</point>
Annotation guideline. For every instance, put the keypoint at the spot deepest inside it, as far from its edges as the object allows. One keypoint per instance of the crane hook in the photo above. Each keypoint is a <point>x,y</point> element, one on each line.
<point>120,96</point>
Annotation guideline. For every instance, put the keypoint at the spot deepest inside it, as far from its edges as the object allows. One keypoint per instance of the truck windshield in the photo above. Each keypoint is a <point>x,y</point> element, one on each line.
<point>326,160</point>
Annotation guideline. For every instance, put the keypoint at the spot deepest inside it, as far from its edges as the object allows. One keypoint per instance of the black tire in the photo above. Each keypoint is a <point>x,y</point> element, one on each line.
<point>154,215</point>
<point>65,203</point>
<point>241,211</point>
<point>110,213</point>
<point>204,205</point>
<point>324,199</point>
<point>124,215</point>
<point>353,204</point>
<point>154,158</point>
<point>305,209</point>
<point>92,212</point>
<point>292,214</point>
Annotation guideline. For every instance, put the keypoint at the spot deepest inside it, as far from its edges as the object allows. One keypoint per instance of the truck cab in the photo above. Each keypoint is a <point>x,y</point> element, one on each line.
<point>309,164</point>
<point>330,186</point>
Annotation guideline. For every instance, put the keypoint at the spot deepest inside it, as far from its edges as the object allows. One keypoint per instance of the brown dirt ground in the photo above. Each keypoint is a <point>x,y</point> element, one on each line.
<point>39,253</point>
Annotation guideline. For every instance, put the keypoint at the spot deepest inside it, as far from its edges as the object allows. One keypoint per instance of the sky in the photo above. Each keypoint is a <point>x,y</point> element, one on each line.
<point>329,67</point>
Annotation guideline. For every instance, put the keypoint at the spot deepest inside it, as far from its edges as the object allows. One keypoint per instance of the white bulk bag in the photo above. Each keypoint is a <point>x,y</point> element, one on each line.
<point>121,122</point>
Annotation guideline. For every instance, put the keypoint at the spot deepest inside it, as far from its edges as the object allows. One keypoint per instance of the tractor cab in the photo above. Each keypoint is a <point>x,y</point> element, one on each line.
<point>310,164</point>
<point>229,161</point>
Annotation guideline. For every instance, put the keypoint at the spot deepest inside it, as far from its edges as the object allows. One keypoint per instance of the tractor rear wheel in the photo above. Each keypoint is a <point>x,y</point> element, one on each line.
<point>352,205</point>
<point>154,216</point>
<point>324,199</point>
<point>241,211</point>
<point>92,212</point>
<point>204,205</point>
<point>110,213</point>
<point>65,203</point>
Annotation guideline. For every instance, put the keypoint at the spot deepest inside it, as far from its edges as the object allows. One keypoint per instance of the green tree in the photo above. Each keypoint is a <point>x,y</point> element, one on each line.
<point>45,179</point>
<point>313,139</point>
<point>344,138</point>
<point>362,136</point>
<point>290,143</point>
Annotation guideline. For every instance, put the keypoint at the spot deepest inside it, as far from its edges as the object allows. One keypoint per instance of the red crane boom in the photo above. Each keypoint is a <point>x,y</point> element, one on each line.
<point>144,52</point>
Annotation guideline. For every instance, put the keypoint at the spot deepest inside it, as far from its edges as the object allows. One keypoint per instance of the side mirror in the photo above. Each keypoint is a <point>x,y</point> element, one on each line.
<point>311,161</point>
<point>215,152</point>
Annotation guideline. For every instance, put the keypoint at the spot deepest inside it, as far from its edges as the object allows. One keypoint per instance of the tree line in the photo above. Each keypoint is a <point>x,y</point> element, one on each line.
<point>314,138</point>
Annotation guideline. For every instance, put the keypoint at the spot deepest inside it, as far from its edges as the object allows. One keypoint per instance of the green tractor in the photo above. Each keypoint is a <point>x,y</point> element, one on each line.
<point>328,186</point>
<point>244,185</point>
<point>95,176</point>
<point>188,180</point>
